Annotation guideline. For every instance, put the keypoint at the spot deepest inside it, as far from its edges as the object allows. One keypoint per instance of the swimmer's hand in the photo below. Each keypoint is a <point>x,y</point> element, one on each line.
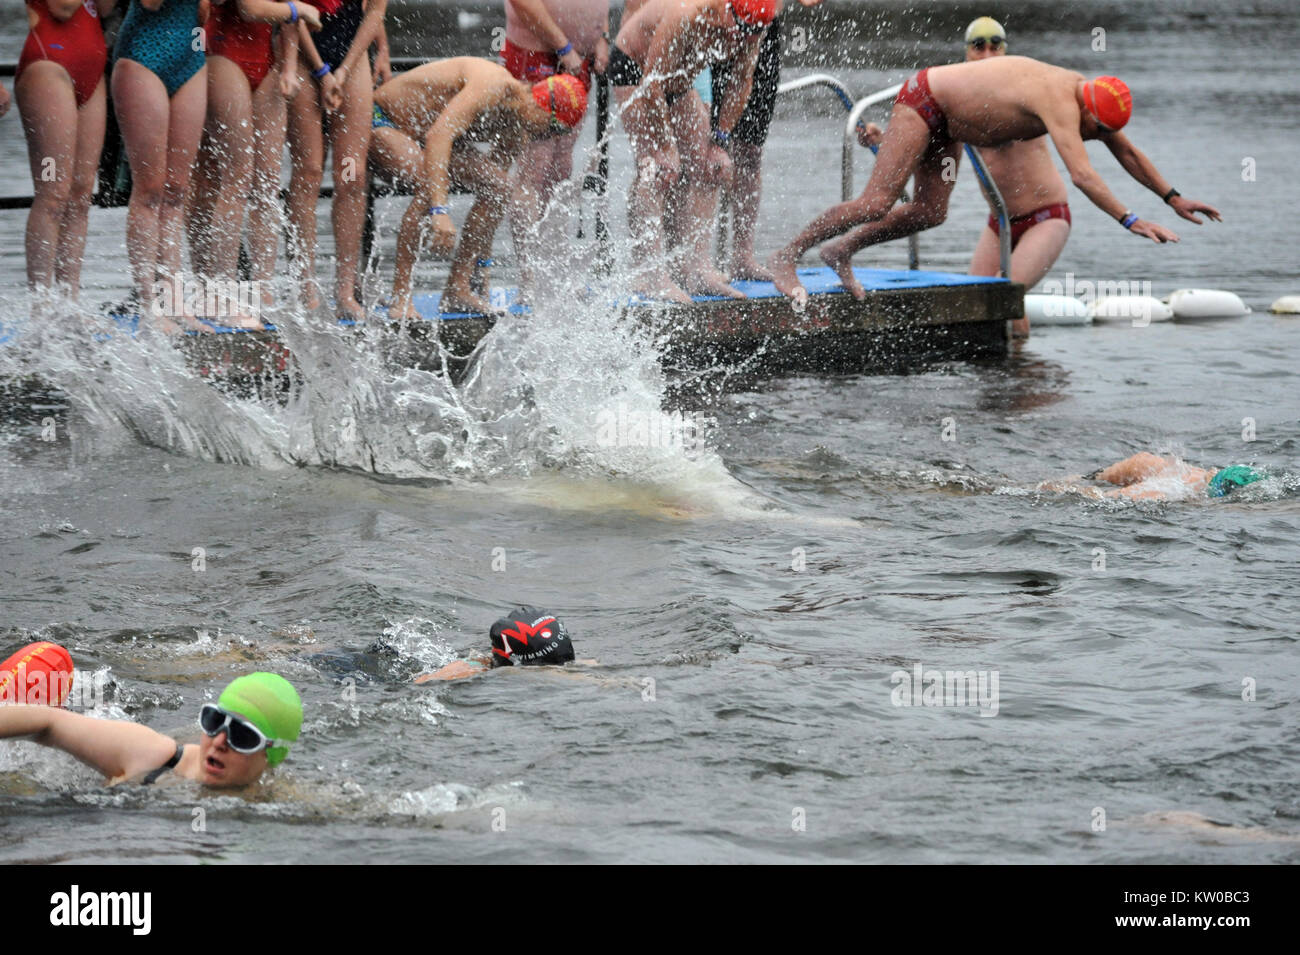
<point>4,101</point>
<point>441,232</point>
<point>870,136</point>
<point>717,166</point>
<point>205,9</point>
<point>331,89</point>
<point>1187,208</point>
<point>383,67</point>
<point>309,15</point>
<point>571,63</point>
<point>600,62</point>
<point>1154,231</point>
<point>290,83</point>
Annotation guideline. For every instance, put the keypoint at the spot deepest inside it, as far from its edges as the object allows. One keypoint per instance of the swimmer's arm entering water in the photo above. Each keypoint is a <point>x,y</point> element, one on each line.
<point>457,670</point>
<point>116,748</point>
<point>461,669</point>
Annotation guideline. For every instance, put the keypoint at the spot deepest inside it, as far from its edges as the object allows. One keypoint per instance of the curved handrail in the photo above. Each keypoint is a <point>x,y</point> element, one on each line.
<point>999,207</point>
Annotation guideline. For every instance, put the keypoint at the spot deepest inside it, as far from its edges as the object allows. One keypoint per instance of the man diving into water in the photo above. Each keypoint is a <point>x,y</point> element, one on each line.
<point>987,103</point>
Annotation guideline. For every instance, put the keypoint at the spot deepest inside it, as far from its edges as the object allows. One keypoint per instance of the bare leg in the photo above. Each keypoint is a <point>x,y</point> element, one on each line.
<point>544,165</point>
<point>349,132</point>
<point>692,228</point>
<point>657,170</point>
<point>1034,256</point>
<point>265,215</point>
<point>143,112</point>
<point>307,156</point>
<point>744,196</point>
<point>900,155</point>
<point>184,130</point>
<point>491,185</point>
<point>48,107</point>
<point>91,120</point>
<point>928,208</point>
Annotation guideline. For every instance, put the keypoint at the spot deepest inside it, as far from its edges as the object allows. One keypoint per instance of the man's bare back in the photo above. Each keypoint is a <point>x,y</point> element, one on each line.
<point>415,99</point>
<point>999,100</point>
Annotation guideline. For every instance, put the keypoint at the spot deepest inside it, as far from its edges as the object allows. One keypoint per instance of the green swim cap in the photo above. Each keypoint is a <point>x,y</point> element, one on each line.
<point>270,703</point>
<point>1229,479</point>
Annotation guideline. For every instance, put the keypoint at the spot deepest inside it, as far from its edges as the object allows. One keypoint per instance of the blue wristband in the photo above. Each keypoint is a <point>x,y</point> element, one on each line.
<point>293,12</point>
<point>438,211</point>
<point>484,263</point>
<point>721,137</point>
<point>1128,220</point>
<point>321,73</point>
<point>564,50</point>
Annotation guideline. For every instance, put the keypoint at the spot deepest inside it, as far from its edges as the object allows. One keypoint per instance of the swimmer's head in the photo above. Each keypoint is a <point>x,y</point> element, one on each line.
<point>530,637</point>
<point>1109,102</point>
<point>753,16</point>
<point>984,38</point>
<point>1229,479</point>
<point>256,717</point>
<point>563,97</point>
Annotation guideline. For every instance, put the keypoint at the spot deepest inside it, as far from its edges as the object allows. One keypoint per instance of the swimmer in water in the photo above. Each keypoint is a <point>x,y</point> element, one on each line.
<point>526,637</point>
<point>426,122</point>
<point>1150,477</point>
<point>247,731</point>
<point>989,103</point>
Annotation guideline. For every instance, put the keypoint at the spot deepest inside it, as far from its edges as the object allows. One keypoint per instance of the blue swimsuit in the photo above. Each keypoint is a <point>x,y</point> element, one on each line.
<point>167,42</point>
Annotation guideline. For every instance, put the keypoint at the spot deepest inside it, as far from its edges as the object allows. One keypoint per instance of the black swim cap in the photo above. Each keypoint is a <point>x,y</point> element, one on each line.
<point>530,637</point>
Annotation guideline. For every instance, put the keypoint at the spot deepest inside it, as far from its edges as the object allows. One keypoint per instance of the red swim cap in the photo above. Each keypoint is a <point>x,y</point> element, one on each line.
<point>1109,100</point>
<point>564,97</point>
<point>754,12</point>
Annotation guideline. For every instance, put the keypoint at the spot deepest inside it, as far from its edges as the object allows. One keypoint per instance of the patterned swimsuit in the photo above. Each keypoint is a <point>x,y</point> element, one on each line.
<point>167,42</point>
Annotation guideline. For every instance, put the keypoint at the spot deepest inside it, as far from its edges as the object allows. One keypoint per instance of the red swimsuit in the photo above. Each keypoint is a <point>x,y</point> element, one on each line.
<point>247,45</point>
<point>76,44</point>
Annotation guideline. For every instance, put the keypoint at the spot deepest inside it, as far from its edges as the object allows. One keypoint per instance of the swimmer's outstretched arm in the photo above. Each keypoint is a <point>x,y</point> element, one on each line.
<point>116,748</point>
<point>1140,167</point>
<point>456,670</point>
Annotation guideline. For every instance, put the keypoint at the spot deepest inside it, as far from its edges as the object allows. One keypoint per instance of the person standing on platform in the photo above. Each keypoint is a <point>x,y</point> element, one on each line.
<point>59,85</point>
<point>543,38</point>
<point>745,145</point>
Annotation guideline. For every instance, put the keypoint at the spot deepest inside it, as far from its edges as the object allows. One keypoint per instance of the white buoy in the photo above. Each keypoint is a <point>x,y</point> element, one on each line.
<point>1286,305</point>
<point>1056,310</point>
<point>1191,303</point>
<point>1134,309</point>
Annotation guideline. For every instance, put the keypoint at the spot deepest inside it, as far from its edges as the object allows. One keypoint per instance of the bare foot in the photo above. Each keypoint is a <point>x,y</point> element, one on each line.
<point>710,282</point>
<point>658,286</point>
<point>170,324</point>
<point>834,256</point>
<point>750,271</point>
<point>786,279</point>
<point>1020,328</point>
<point>245,321</point>
<point>465,301</point>
<point>350,308</point>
